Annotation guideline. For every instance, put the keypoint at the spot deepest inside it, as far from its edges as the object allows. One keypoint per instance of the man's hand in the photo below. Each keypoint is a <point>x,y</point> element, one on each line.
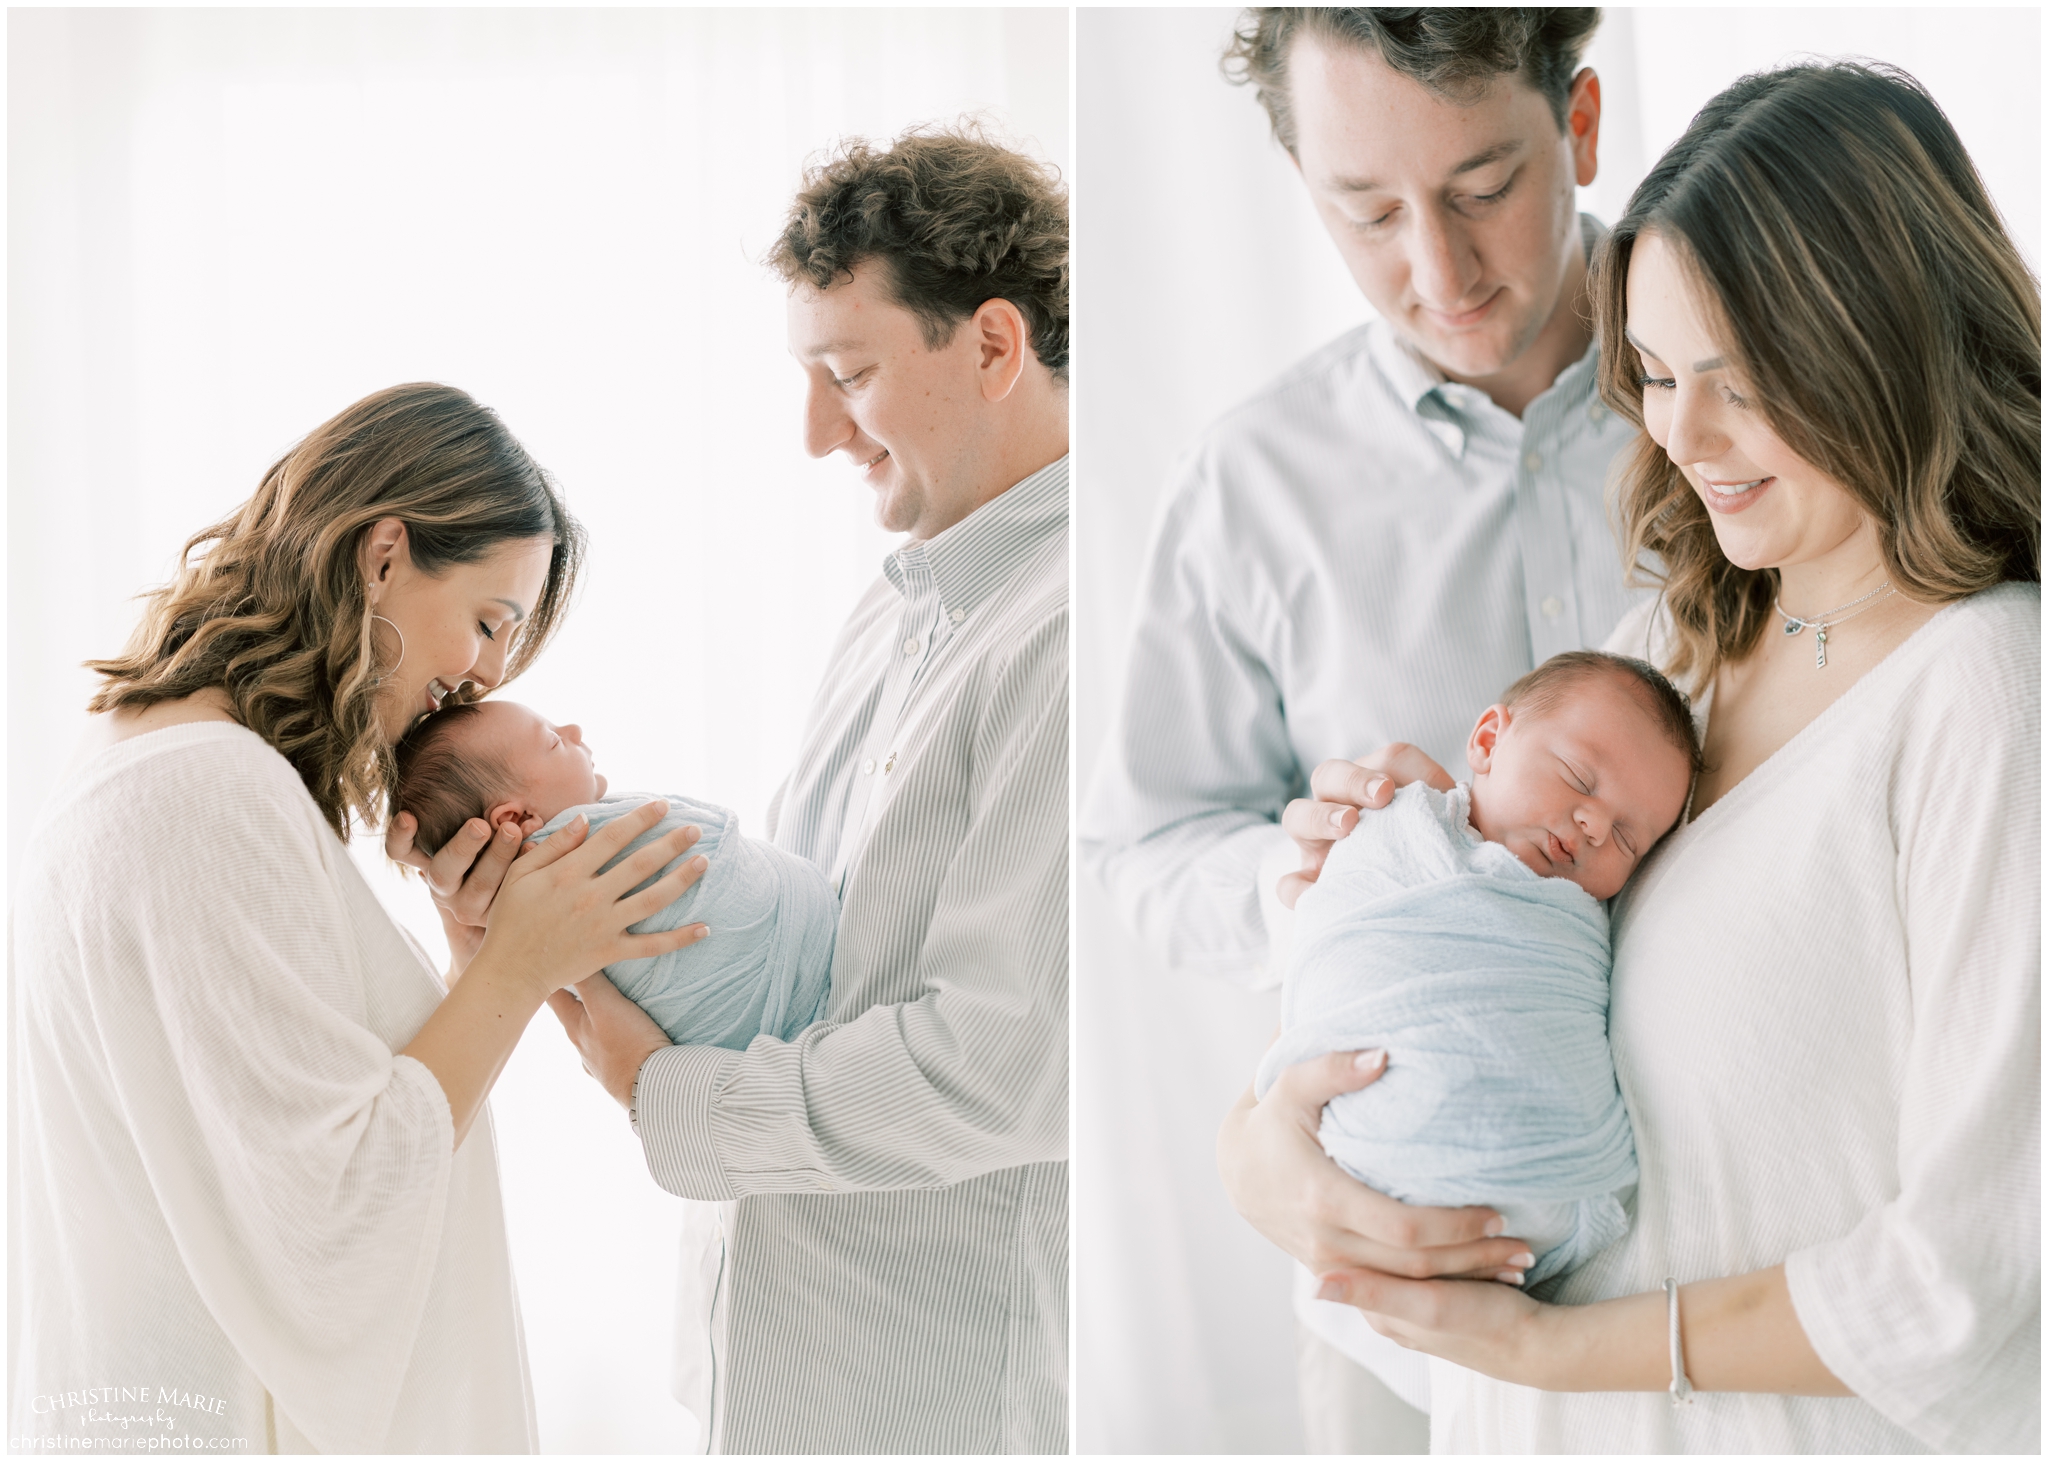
<point>612,1034</point>
<point>1277,1176</point>
<point>1338,789</point>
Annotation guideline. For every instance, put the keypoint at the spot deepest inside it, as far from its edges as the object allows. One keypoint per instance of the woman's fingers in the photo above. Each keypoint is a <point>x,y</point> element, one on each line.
<point>643,863</point>
<point>1308,1087</point>
<point>398,842</point>
<point>1351,783</point>
<point>603,845</point>
<point>560,844</point>
<point>664,891</point>
<point>661,941</point>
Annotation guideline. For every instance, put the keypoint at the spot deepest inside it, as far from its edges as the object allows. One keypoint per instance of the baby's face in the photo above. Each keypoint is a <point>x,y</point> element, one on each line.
<point>551,769</point>
<point>1580,790</point>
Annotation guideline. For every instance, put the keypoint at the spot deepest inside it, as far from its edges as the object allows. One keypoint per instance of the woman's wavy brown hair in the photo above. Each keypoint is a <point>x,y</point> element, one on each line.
<point>1882,319</point>
<point>269,605</point>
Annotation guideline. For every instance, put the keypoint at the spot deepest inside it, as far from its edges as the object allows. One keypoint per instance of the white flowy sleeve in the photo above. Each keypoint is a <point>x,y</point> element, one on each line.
<point>1930,1308</point>
<point>303,1169</point>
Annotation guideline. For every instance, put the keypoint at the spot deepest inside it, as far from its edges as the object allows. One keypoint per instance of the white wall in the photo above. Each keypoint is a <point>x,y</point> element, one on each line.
<point>1202,272</point>
<point>225,225</point>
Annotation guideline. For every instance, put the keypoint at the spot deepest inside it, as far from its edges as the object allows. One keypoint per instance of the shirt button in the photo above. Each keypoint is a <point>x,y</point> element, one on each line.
<point>1595,411</point>
<point>1534,461</point>
<point>910,647</point>
<point>1553,607</point>
<point>890,764</point>
<point>957,615</point>
<point>867,768</point>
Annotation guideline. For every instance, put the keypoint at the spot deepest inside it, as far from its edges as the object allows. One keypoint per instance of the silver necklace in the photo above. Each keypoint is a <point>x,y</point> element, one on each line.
<point>1822,622</point>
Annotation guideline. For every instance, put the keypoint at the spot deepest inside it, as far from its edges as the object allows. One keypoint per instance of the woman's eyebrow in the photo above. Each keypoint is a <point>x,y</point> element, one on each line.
<point>518,613</point>
<point>1699,367</point>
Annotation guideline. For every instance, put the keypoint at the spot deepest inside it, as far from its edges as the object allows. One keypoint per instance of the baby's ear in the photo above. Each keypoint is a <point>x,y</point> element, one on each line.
<point>1485,734</point>
<point>504,812</point>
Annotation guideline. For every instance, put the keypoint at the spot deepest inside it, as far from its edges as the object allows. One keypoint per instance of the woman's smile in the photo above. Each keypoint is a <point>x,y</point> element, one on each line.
<point>1731,497</point>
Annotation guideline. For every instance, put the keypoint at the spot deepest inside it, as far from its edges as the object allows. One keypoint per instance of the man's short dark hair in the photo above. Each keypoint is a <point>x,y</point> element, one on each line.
<point>1556,677</point>
<point>958,221</point>
<point>1454,51</point>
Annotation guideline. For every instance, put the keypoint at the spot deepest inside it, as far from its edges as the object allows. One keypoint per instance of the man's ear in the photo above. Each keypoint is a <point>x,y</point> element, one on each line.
<point>1582,125</point>
<point>385,547</point>
<point>1002,343</point>
<point>1485,736</point>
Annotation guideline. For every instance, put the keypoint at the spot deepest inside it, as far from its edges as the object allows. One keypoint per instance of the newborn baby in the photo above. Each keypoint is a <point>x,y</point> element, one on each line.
<point>1463,933</point>
<point>765,966</point>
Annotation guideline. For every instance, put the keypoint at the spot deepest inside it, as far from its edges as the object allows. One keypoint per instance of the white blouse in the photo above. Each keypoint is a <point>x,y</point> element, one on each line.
<point>1826,1025</point>
<point>235,1212</point>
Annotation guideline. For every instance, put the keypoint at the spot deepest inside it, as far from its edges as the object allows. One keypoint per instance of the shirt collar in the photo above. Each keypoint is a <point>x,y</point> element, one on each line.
<point>971,560</point>
<point>1416,381</point>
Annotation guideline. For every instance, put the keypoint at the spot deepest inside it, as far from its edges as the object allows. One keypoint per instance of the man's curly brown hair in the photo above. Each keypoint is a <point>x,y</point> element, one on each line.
<point>1454,51</point>
<point>958,220</point>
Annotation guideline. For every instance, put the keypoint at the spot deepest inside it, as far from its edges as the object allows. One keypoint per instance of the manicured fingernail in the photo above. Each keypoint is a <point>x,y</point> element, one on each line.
<point>1375,786</point>
<point>1509,1276</point>
<point>1337,818</point>
<point>1523,1259</point>
<point>700,863</point>
<point>1495,1227</point>
<point>1369,1060</point>
<point>1332,1288</point>
<point>703,931</point>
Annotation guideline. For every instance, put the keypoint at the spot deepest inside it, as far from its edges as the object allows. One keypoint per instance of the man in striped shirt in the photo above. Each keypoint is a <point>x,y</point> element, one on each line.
<point>877,1262</point>
<point>1369,549</point>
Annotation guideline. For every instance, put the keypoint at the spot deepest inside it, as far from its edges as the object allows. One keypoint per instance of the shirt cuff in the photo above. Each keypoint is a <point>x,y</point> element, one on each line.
<point>673,1102</point>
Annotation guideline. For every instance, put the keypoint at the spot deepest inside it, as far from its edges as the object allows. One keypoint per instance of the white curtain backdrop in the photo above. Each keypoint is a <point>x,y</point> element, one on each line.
<point>1203,272</point>
<point>226,225</point>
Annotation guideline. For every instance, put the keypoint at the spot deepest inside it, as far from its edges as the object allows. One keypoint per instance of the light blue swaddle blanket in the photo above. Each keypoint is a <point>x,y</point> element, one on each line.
<point>766,966</point>
<point>1487,986</point>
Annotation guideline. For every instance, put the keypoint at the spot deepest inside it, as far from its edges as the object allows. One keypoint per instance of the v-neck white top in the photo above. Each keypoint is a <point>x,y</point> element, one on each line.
<point>238,1220</point>
<point>1826,1026</point>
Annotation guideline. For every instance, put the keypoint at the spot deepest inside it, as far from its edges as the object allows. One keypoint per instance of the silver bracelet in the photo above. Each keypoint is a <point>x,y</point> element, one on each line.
<point>1681,1388</point>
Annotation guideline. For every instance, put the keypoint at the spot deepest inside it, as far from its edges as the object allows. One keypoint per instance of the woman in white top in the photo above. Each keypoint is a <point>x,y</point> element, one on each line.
<point>254,1198</point>
<point>1826,997</point>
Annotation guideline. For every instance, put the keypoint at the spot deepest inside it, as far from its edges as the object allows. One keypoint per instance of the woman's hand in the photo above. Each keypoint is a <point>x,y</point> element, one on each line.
<point>464,876</point>
<point>612,1034</point>
<point>557,919</point>
<point>1337,790</point>
<point>1494,1329</point>
<point>1278,1176</point>
<point>1740,1333</point>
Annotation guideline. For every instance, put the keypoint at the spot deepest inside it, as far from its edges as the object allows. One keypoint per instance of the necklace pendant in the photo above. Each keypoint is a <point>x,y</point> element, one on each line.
<point>1793,627</point>
<point>1820,649</point>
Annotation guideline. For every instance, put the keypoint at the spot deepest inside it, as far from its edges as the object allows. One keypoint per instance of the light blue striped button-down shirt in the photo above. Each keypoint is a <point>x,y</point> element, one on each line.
<point>1362,553</point>
<point>892,1275</point>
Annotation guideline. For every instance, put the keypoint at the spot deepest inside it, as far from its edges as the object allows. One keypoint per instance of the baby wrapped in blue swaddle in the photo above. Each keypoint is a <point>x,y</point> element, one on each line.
<point>1463,933</point>
<point>765,966</point>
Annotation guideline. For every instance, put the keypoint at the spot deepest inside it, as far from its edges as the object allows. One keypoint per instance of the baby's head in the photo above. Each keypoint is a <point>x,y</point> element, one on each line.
<point>497,760</point>
<point>1582,766</point>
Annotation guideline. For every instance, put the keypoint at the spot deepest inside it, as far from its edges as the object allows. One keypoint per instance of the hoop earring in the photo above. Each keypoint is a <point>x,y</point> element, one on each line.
<point>401,649</point>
